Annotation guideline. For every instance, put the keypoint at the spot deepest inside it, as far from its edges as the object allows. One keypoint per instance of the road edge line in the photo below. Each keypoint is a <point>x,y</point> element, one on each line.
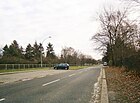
<point>3,99</point>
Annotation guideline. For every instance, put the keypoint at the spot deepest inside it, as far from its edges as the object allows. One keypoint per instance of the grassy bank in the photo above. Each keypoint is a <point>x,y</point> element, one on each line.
<point>123,85</point>
<point>78,67</point>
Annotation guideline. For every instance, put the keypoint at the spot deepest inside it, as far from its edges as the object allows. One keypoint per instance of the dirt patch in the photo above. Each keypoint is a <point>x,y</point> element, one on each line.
<point>123,86</point>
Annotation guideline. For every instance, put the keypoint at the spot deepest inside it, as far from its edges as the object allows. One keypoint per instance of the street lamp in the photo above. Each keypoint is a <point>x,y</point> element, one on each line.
<point>41,50</point>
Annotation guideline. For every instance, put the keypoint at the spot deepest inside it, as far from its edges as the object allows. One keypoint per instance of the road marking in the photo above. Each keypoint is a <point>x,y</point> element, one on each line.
<point>51,82</point>
<point>26,79</point>
<point>72,75</point>
<point>2,99</point>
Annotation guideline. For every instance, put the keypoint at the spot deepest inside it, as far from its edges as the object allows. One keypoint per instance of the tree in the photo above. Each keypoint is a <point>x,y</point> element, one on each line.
<point>6,51</point>
<point>74,57</point>
<point>51,58</point>
<point>67,53</point>
<point>37,50</point>
<point>117,32</point>
<point>82,59</point>
<point>29,54</point>
<point>50,51</point>
<point>13,50</point>
<point>13,53</point>
<point>136,1</point>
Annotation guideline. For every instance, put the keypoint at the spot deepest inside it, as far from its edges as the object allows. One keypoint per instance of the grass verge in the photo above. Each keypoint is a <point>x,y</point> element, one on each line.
<point>78,67</point>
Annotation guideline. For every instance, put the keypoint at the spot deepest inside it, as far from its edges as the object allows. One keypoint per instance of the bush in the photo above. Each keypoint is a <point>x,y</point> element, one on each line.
<point>133,62</point>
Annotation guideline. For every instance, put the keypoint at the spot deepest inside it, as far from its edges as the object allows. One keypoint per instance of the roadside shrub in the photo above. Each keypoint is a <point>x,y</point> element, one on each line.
<point>133,62</point>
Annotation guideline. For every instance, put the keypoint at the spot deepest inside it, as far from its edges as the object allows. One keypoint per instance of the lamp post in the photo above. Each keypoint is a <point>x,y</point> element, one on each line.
<point>41,50</point>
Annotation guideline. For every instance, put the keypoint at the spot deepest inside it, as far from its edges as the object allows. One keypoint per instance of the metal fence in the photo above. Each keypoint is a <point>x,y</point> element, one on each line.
<point>22,66</point>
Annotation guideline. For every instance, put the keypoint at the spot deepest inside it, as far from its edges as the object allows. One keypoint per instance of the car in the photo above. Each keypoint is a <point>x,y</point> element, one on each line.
<point>105,64</point>
<point>62,66</point>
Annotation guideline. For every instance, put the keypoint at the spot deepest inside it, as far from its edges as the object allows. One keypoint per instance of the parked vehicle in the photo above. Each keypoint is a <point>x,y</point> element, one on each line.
<point>105,64</point>
<point>62,66</point>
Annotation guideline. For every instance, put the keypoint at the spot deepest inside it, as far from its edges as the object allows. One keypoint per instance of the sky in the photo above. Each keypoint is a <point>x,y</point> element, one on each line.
<point>70,23</point>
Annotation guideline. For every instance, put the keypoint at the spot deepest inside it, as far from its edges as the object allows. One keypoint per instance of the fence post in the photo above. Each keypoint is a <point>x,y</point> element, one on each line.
<point>6,66</point>
<point>19,66</point>
<point>13,66</point>
<point>23,66</point>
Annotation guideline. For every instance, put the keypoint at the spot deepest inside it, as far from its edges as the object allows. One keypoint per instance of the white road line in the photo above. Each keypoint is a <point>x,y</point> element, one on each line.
<point>51,82</point>
<point>2,99</point>
<point>26,79</point>
<point>72,75</point>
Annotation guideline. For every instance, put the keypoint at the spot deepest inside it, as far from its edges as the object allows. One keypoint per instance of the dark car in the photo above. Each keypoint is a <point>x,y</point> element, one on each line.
<point>62,66</point>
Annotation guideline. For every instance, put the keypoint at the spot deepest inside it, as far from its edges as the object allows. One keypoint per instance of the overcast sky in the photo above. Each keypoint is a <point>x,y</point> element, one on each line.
<point>70,23</point>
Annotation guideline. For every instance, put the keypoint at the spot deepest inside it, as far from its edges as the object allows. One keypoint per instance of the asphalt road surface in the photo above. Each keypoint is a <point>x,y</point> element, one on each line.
<point>70,87</point>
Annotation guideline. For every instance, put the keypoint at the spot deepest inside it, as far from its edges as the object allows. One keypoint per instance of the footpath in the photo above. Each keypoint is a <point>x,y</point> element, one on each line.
<point>104,91</point>
<point>100,94</point>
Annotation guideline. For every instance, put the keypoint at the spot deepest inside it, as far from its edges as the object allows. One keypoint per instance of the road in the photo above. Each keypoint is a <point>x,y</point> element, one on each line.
<point>69,87</point>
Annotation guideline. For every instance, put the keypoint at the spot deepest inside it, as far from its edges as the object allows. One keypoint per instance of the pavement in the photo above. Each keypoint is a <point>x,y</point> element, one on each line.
<point>100,88</point>
<point>10,77</point>
<point>100,94</point>
<point>104,91</point>
<point>73,86</point>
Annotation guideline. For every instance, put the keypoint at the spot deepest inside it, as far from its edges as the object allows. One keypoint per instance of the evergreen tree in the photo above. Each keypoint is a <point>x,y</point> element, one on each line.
<point>6,50</point>
<point>41,49</point>
<point>29,52</point>
<point>50,51</point>
<point>13,50</point>
<point>37,50</point>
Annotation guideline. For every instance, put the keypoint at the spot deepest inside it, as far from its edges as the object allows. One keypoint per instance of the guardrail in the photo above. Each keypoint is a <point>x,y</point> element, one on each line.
<point>22,66</point>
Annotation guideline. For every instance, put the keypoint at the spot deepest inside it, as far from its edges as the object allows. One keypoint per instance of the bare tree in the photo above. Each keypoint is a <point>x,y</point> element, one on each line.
<point>116,32</point>
<point>136,1</point>
<point>74,57</point>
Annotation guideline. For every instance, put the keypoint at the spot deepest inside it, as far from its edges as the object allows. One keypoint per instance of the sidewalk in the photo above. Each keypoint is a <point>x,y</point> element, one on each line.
<point>104,91</point>
<point>24,76</point>
<point>100,94</point>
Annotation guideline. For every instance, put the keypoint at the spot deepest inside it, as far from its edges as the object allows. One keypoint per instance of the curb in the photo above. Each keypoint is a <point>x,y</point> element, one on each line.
<point>104,92</point>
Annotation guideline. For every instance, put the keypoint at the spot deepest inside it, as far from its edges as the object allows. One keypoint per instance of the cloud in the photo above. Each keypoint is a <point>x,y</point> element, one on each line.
<point>67,21</point>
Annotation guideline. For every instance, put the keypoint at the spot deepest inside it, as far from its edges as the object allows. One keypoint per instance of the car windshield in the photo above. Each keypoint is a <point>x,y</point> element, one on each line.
<point>62,64</point>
